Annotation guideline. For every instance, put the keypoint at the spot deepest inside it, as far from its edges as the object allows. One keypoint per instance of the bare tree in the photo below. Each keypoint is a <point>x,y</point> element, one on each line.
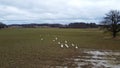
<point>111,22</point>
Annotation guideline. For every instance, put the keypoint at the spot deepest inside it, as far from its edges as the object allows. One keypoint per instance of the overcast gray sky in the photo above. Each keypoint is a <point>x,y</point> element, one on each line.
<point>55,11</point>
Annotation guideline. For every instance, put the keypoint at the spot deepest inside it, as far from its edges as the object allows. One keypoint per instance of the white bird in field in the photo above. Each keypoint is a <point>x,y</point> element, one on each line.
<point>65,41</point>
<point>73,45</point>
<point>66,45</point>
<point>76,47</point>
<point>53,40</point>
<point>58,42</point>
<point>41,38</point>
<point>56,38</point>
<point>61,45</point>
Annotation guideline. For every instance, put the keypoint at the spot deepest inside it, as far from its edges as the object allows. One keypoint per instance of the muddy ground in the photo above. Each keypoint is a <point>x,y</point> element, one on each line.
<point>91,58</point>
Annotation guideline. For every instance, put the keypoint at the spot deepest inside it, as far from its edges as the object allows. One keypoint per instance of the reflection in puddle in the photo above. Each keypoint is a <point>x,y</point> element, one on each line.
<point>94,59</point>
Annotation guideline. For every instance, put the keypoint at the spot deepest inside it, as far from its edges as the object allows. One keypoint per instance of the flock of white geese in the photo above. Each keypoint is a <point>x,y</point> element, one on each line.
<point>63,45</point>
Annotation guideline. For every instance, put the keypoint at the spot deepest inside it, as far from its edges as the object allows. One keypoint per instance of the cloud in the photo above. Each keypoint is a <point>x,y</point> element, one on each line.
<point>55,11</point>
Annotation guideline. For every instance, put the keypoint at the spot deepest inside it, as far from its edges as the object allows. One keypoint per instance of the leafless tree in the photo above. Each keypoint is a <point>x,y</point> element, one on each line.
<point>111,22</point>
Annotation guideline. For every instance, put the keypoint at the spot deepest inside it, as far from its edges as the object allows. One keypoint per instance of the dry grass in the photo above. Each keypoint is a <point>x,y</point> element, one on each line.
<point>23,48</point>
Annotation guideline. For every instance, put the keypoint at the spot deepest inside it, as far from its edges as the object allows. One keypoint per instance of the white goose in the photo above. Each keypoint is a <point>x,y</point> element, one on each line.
<point>41,38</point>
<point>66,45</point>
<point>58,42</point>
<point>76,47</point>
<point>61,45</point>
<point>73,45</point>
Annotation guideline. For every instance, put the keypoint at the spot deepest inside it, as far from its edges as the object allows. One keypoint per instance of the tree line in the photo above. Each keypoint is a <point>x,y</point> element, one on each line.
<point>71,25</point>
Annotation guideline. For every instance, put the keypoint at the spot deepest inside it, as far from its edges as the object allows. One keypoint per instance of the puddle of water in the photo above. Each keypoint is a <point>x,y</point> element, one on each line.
<point>94,59</point>
<point>102,52</point>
